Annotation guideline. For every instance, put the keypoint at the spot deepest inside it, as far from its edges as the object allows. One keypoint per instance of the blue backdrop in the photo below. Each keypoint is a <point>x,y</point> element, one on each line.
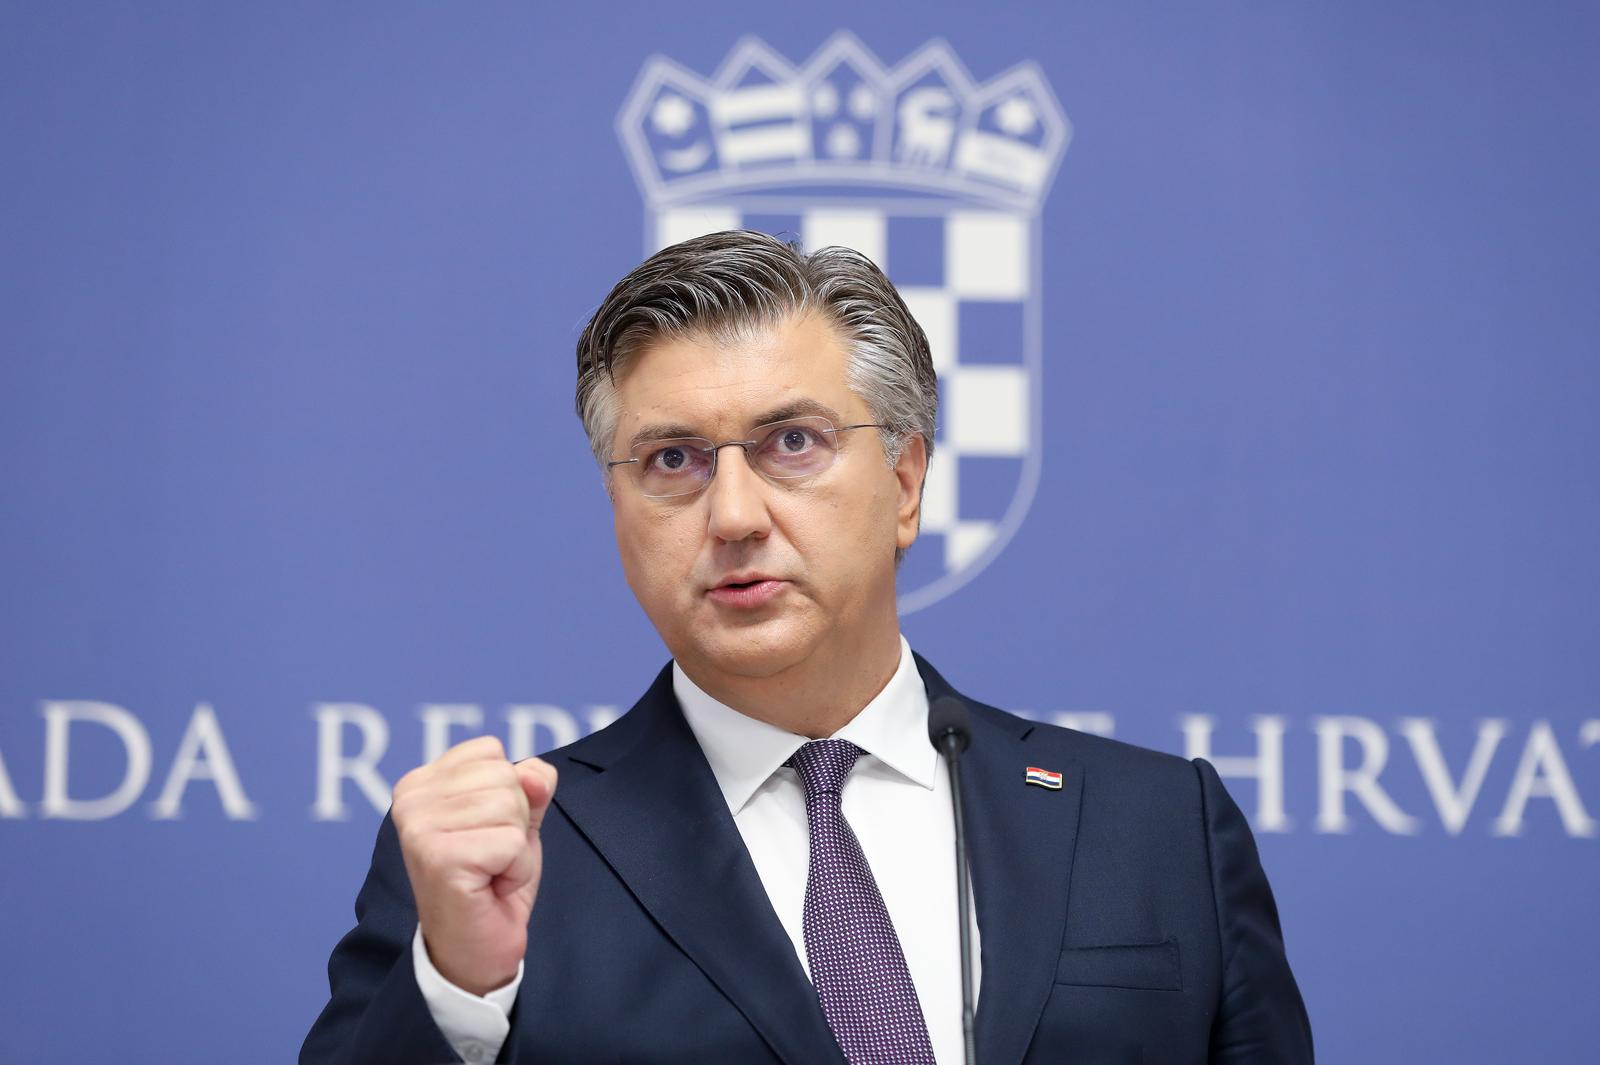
<point>1285,451</point>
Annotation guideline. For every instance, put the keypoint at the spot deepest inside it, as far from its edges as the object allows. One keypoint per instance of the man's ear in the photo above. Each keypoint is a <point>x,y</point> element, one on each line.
<point>911,472</point>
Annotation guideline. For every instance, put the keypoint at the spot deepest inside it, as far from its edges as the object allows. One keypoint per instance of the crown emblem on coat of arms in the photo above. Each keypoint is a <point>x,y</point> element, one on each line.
<point>843,118</point>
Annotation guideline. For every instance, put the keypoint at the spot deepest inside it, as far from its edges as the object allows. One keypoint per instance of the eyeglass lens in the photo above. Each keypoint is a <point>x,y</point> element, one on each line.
<point>798,447</point>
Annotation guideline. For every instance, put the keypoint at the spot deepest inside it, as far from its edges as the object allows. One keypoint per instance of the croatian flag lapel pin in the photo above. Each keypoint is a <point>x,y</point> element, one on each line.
<point>1044,778</point>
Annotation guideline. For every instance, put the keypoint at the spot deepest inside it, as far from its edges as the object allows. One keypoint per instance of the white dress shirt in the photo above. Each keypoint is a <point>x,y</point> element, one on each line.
<point>897,800</point>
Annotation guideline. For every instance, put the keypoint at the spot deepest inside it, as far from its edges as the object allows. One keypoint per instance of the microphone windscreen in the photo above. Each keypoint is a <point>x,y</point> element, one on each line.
<point>947,719</point>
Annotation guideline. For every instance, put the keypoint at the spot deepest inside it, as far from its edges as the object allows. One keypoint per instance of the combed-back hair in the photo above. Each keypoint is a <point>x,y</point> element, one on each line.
<point>728,286</point>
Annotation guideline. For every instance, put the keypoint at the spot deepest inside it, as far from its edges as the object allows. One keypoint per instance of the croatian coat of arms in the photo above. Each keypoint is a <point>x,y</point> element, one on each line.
<point>936,178</point>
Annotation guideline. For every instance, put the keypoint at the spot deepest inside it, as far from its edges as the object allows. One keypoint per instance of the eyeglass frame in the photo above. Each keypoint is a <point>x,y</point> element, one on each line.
<point>714,450</point>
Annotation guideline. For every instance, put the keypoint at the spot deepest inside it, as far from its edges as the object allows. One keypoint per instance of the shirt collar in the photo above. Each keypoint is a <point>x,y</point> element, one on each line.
<point>744,752</point>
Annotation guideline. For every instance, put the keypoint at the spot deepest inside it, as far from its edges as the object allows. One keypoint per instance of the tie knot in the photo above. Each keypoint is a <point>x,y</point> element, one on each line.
<point>824,764</point>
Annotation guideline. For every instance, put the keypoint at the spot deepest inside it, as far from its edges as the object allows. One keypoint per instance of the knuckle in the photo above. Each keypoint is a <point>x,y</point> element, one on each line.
<point>485,746</point>
<point>510,842</point>
<point>539,769</point>
<point>408,783</point>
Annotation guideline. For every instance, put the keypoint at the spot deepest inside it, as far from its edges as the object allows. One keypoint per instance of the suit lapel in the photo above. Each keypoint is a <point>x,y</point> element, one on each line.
<point>655,814</point>
<point>1020,842</point>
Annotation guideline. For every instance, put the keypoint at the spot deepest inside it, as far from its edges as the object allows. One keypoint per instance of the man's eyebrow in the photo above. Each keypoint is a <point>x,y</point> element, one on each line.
<point>803,407</point>
<point>661,431</point>
<point>796,408</point>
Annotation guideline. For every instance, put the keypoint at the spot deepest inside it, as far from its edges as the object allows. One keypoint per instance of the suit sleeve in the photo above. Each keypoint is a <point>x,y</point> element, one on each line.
<point>376,1014</point>
<point>1261,1018</point>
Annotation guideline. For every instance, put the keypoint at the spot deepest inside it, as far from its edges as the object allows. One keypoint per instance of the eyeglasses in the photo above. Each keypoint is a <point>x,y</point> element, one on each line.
<point>680,466</point>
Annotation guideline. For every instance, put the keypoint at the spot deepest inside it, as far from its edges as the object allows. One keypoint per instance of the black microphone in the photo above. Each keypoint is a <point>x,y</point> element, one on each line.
<point>949,732</point>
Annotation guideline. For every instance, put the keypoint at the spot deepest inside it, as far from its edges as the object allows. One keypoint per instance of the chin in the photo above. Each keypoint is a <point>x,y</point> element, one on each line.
<point>756,650</point>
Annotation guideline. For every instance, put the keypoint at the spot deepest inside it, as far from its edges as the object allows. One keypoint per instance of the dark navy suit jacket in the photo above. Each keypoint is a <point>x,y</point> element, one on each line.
<point>1123,918</point>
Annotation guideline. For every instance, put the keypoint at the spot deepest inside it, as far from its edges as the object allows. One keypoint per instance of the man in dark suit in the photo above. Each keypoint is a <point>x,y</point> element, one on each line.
<point>753,864</point>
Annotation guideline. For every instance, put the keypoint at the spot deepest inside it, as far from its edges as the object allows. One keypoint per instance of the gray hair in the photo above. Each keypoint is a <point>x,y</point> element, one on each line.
<point>726,286</point>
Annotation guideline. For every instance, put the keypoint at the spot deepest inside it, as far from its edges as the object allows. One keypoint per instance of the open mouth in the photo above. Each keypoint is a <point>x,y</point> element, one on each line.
<point>750,593</point>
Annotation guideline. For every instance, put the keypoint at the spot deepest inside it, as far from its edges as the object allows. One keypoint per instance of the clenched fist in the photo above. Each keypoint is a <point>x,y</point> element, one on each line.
<point>469,829</point>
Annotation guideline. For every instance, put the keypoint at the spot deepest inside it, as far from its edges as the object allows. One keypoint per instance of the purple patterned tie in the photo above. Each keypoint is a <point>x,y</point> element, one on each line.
<point>856,965</point>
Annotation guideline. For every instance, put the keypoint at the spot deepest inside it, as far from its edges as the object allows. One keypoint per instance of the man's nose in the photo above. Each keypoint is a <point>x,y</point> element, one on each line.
<point>737,497</point>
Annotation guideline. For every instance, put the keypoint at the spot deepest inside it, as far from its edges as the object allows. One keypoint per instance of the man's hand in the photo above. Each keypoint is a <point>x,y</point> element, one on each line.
<point>469,829</point>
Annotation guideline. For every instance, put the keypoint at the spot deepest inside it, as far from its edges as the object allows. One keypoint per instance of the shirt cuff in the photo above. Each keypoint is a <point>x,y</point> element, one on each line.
<point>475,1026</point>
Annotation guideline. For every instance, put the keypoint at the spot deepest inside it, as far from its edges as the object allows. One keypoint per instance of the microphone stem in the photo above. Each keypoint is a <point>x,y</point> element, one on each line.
<point>952,755</point>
